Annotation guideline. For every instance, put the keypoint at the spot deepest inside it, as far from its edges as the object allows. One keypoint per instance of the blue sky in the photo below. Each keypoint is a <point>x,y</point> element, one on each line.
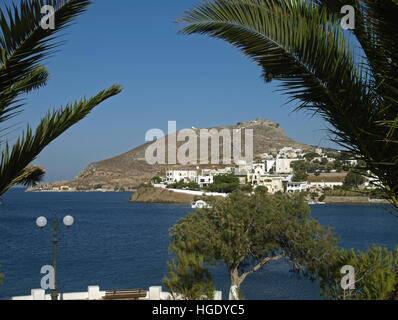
<point>195,80</point>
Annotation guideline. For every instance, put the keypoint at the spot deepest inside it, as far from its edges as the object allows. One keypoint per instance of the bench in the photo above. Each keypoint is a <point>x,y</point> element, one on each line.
<point>125,294</point>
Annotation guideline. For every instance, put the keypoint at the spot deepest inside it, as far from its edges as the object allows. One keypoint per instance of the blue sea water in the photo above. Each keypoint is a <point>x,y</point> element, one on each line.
<point>120,245</point>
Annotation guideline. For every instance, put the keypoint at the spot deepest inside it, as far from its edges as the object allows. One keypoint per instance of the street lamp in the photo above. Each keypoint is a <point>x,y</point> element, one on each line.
<point>41,222</point>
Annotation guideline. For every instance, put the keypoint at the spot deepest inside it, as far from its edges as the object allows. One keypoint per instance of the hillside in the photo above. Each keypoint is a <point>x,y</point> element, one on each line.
<point>130,169</point>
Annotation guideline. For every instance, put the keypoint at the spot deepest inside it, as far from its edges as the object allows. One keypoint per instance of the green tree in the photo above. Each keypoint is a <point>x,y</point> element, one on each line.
<point>23,46</point>
<point>354,179</point>
<point>192,185</point>
<point>156,180</point>
<point>246,232</point>
<point>324,161</point>
<point>224,184</point>
<point>188,278</point>
<point>300,176</point>
<point>349,77</point>
<point>261,190</point>
<point>311,156</point>
<point>246,188</point>
<point>338,165</point>
<point>376,275</point>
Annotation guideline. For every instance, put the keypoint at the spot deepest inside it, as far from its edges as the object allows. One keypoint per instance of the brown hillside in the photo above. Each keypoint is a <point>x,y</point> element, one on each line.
<point>130,169</point>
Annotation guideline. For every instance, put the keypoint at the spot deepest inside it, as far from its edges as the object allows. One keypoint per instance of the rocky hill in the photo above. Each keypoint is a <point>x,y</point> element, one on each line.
<point>129,170</point>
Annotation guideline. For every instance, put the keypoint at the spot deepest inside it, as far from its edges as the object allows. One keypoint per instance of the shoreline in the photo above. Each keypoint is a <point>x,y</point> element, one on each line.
<point>327,201</point>
<point>78,191</point>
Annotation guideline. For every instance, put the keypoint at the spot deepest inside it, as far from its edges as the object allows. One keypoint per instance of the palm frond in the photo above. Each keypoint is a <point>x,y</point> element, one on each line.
<point>24,44</point>
<point>30,176</point>
<point>9,103</point>
<point>301,43</point>
<point>14,160</point>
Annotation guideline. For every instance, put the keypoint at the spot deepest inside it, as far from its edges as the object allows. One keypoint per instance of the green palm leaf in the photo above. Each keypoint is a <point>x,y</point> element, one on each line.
<point>14,160</point>
<point>24,44</point>
<point>301,44</point>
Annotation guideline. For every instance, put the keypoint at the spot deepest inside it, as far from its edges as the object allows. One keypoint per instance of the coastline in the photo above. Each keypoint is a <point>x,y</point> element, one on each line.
<point>79,191</point>
<point>169,196</point>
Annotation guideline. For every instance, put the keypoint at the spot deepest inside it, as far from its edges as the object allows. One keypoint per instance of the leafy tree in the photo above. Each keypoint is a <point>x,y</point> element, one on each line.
<point>338,165</point>
<point>188,278</point>
<point>354,179</point>
<point>350,78</point>
<point>261,190</point>
<point>324,161</point>
<point>246,188</point>
<point>376,275</point>
<point>300,176</point>
<point>246,232</point>
<point>192,185</point>
<point>23,46</point>
<point>314,195</point>
<point>224,184</point>
<point>157,180</point>
<point>300,165</point>
<point>311,156</point>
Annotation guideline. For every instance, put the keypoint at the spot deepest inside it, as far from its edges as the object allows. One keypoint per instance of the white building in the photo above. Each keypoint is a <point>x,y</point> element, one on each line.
<point>259,168</point>
<point>242,168</point>
<point>319,151</point>
<point>323,185</point>
<point>296,187</point>
<point>173,176</point>
<point>283,165</point>
<point>350,162</point>
<point>270,165</point>
<point>267,156</point>
<point>204,181</point>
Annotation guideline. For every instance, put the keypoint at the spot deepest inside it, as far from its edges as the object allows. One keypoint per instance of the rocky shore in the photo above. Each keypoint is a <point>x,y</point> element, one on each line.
<point>159,195</point>
<point>353,200</point>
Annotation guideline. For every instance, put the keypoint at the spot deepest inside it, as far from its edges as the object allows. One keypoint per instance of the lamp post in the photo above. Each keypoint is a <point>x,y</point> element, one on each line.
<point>41,222</point>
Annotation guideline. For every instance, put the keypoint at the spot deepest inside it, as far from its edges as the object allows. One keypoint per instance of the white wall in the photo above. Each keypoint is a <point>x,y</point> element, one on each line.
<point>94,293</point>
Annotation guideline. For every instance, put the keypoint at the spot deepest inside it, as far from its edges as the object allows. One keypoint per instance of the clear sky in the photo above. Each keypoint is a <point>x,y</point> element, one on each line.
<point>195,80</point>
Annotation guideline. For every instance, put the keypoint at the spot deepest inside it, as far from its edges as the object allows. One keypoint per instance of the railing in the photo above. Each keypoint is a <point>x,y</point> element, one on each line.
<point>94,293</point>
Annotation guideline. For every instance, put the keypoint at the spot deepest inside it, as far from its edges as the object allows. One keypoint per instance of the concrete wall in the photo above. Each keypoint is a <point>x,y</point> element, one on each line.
<point>94,293</point>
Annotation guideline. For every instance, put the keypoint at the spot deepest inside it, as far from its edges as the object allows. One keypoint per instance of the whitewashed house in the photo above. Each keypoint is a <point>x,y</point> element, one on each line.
<point>350,162</point>
<point>173,176</point>
<point>296,187</point>
<point>323,185</point>
<point>270,165</point>
<point>204,181</point>
<point>283,165</point>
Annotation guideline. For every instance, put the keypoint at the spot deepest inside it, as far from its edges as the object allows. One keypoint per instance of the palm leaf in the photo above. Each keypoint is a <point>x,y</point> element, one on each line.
<point>302,44</point>
<point>30,176</point>
<point>24,44</point>
<point>14,160</point>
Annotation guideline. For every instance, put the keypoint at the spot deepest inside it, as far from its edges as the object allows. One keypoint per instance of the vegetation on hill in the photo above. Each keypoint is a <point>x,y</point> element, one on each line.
<point>224,184</point>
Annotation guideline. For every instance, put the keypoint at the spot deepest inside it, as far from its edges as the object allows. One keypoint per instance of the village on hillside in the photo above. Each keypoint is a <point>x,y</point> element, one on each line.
<point>317,173</point>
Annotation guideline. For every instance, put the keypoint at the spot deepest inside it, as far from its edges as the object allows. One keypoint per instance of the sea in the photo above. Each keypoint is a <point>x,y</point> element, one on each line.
<point>116,244</point>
